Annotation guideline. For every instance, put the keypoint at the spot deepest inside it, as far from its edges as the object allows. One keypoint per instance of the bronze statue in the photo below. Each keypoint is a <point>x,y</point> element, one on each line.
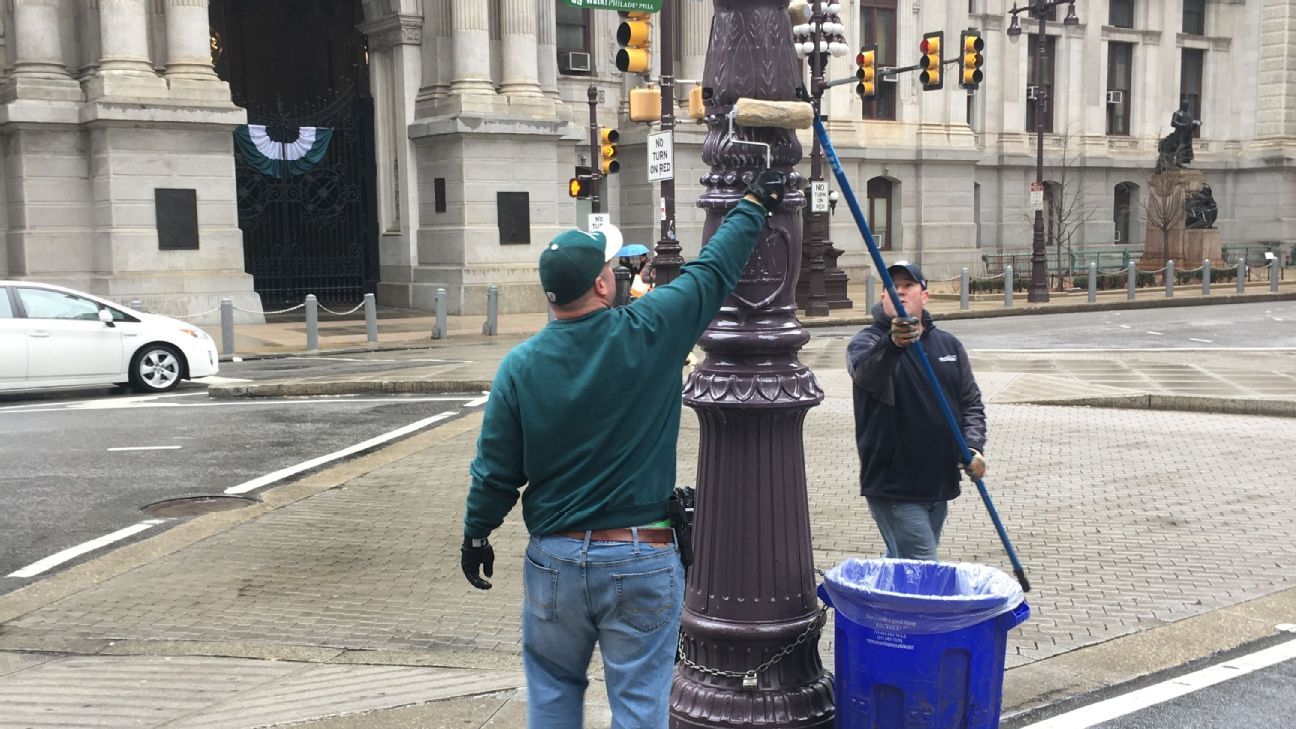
<point>1199,209</point>
<point>1176,148</point>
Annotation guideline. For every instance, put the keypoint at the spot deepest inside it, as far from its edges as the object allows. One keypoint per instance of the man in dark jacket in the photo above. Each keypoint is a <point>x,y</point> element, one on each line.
<point>908,457</point>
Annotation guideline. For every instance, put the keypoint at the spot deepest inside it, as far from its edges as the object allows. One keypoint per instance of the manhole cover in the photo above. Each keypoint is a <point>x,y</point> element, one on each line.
<point>195,505</point>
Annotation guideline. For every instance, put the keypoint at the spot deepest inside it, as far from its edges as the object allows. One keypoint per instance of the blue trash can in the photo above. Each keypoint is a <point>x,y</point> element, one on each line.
<point>920,645</point>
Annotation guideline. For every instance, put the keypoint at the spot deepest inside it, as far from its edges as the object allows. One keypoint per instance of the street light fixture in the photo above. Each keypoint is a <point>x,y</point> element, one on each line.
<point>1039,8</point>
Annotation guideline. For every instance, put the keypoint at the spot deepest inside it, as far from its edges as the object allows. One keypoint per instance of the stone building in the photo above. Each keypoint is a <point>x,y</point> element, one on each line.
<point>178,151</point>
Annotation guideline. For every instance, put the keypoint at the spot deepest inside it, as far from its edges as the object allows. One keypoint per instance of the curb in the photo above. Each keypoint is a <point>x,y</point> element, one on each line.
<point>347,387</point>
<point>1180,403</point>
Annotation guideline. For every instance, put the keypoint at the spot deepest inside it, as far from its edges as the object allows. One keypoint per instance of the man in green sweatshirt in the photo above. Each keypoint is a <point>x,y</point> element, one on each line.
<point>602,566</point>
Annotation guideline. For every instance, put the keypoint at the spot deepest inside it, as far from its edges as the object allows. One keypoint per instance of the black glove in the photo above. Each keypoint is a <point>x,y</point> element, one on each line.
<point>768,187</point>
<point>477,554</point>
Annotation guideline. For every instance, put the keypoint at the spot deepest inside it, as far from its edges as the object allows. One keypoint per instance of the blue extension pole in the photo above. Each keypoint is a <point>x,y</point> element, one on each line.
<point>880,265</point>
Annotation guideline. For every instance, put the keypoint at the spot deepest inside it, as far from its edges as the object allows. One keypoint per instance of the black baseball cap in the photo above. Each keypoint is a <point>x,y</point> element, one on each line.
<point>910,268</point>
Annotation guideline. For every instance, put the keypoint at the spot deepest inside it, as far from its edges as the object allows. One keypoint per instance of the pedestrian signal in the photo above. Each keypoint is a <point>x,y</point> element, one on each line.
<point>930,63</point>
<point>581,186</point>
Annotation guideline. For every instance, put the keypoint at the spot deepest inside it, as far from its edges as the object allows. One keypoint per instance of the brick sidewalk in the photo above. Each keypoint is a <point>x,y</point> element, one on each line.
<point>1125,520</point>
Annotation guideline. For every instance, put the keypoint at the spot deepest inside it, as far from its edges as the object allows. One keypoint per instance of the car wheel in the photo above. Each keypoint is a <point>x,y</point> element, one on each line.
<point>156,368</point>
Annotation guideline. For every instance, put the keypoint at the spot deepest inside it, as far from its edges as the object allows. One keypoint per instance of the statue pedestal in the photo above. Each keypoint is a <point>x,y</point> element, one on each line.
<point>1167,238</point>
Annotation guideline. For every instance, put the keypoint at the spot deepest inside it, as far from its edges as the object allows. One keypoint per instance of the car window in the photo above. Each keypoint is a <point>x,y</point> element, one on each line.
<point>6,309</point>
<point>45,304</point>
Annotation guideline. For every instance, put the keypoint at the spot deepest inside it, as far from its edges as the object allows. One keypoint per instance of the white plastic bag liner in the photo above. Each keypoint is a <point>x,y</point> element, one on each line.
<point>913,596</point>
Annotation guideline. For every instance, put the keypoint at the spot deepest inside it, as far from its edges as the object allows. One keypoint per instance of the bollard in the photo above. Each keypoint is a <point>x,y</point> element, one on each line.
<point>1093,281</point>
<point>491,327</point>
<point>1206,276</point>
<point>1131,282</point>
<point>1241,276</point>
<point>963,290</point>
<point>439,331</point>
<point>1273,275</point>
<point>870,289</point>
<point>312,323</point>
<point>623,280</point>
<point>227,325</point>
<point>1169,278</point>
<point>371,318</point>
<point>137,305</point>
<point>1008,286</point>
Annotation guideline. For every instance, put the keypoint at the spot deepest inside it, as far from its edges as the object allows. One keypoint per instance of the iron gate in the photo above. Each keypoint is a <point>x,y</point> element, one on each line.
<point>313,231</point>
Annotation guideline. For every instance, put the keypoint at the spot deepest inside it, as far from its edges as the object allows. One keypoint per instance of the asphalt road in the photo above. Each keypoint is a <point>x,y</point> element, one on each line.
<point>1267,325</point>
<point>1264,699</point>
<point>64,482</point>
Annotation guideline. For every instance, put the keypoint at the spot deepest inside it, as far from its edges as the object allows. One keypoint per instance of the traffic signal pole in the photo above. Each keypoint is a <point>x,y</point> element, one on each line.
<point>596,172</point>
<point>667,262</point>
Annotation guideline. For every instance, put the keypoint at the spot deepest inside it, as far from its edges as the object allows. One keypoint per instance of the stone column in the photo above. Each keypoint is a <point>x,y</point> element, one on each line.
<point>547,47</point>
<point>188,34</point>
<point>471,40</point>
<point>695,28</point>
<point>438,51</point>
<point>519,44</point>
<point>38,46</point>
<point>123,28</point>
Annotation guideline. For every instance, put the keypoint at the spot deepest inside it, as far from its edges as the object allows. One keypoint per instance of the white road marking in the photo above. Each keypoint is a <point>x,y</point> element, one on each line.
<point>1064,350</point>
<point>55,560</point>
<point>283,473</point>
<point>124,404</point>
<point>1203,341</point>
<point>1159,334</point>
<point>145,448</point>
<point>1125,326</point>
<point>1087,716</point>
<point>218,380</point>
<point>479,401</point>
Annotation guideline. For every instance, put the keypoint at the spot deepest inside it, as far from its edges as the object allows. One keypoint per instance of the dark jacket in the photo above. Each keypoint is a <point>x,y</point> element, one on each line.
<point>906,450</point>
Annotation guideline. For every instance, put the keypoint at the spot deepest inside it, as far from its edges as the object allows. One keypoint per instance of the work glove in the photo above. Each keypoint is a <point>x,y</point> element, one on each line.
<point>474,555</point>
<point>977,469</point>
<point>768,187</point>
<point>905,331</point>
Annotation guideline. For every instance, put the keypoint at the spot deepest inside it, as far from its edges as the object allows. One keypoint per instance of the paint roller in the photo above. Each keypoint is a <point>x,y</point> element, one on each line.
<point>766,113</point>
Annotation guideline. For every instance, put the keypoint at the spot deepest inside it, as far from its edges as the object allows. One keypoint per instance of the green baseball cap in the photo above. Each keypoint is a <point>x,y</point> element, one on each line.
<point>571,262</point>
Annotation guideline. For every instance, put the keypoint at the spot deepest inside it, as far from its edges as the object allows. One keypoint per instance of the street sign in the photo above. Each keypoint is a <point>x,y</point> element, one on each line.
<point>818,197</point>
<point>1037,195</point>
<point>624,6</point>
<point>598,220</point>
<point>661,156</point>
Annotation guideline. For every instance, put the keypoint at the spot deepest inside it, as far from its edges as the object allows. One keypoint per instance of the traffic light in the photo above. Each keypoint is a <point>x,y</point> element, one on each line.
<point>930,63</point>
<point>866,71</point>
<point>582,185</point>
<point>633,35</point>
<point>608,149</point>
<point>971,60</point>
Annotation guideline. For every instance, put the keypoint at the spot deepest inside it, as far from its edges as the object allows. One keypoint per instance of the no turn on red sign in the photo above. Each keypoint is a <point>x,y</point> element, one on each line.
<point>661,157</point>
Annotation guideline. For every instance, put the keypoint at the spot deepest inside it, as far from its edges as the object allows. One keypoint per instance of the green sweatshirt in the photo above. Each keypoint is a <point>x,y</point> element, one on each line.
<point>586,413</point>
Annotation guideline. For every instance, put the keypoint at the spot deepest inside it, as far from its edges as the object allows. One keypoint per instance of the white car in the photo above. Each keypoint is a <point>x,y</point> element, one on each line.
<point>51,336</point>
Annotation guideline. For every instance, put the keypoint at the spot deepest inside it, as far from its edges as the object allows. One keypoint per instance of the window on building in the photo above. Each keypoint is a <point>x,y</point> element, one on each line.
<point>1120,58</point>
<point>1123,205</point>
<point>1121,13</point>
<point>573,37</point>
<point>1194,17</point>
<point>976,211</point>
<point>1190,81</point>
<point>878,25</point>
<point>879,210</point>
<point>1050,14</point>
<point>1033,87</point>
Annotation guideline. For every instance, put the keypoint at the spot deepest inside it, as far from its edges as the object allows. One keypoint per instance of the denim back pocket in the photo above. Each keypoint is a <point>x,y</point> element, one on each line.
<point>646,600</point>
<point>541,587</point>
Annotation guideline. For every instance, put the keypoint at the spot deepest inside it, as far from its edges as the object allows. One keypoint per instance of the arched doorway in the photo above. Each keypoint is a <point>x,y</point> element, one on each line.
<point>305,161</point>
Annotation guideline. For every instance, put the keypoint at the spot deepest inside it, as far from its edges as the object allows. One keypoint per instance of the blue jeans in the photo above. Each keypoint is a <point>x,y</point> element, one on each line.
<point>910,529</point>
<point>626,597</point>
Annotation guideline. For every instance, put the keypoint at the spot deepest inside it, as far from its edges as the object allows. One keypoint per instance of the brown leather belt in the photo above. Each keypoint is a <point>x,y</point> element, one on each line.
<point>647,535</point>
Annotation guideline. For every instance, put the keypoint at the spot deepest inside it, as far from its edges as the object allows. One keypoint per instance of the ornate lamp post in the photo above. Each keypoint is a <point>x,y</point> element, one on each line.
<point>1039,8</point>
<point>751,619</point>
<point>819,37</point>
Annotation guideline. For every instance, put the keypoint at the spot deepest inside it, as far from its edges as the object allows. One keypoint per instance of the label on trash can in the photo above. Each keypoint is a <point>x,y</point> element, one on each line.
<point>889,639</point>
